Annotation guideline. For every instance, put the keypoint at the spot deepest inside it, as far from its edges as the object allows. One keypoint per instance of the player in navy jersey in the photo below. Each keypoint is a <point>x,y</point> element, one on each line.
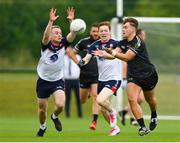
<point>109,78</point>
<point>141,73</point>
<point>50,70</point>
<point>89,73</point>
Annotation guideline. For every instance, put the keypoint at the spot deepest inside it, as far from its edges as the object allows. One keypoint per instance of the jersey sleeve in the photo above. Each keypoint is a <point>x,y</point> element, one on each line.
<point>65,42</point>
<point>91,49</point>
<point>137,47</point>
<point>78,46</point>
<point>120,45</point>
<point>115,45</point>
<point>44,47</point>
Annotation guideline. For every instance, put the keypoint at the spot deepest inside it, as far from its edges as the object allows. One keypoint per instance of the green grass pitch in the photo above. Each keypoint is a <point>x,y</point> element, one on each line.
<point>19,121</point>
<point>76,130</point>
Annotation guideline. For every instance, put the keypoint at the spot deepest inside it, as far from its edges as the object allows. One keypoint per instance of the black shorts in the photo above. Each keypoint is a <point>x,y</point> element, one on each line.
<point>147,83</point>
<point>87,80</point>
<point>111,84</point>
<point>45,88</point>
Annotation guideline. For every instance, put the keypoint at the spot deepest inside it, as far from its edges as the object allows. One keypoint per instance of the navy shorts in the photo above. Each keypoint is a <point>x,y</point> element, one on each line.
<point>111,84</point>
<point>45,88</point>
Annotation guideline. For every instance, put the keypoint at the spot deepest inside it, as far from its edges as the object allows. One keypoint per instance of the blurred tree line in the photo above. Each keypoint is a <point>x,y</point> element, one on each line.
<point>22,24</point>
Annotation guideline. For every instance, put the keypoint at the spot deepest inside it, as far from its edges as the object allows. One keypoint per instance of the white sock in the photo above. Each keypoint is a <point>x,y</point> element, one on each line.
<point>54,116</point>
<point>43,126</point>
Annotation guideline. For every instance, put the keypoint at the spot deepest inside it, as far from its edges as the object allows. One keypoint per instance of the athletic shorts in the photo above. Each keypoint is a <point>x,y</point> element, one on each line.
<point>111,84</point>
<point>87,81</point>
<point>147,83</point>
<point>45,88</point>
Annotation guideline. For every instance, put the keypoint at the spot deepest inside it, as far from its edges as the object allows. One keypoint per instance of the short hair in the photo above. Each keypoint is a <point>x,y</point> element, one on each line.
<point>106,23</point>
<point>95,25</point>
<point>56,26</point>
<point>139,31</point>
<point>133,22</point>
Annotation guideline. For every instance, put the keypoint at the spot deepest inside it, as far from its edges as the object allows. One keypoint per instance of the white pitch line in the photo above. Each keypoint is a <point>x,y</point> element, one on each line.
<point>164,117</point>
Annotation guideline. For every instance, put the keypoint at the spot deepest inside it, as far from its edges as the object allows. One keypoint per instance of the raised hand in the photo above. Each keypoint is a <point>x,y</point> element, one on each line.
<point>52,15</point>
<point>70,13</point>
<point>98,53</point>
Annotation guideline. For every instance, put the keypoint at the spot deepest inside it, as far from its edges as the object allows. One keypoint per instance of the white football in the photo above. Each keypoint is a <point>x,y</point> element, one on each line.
<point>78,26</point>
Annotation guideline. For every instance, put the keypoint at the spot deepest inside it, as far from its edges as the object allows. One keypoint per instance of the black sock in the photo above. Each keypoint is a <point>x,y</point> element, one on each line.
<point>153,114</point>
<point>124,112</point>
<point>132,119</point>
<point>141,122</point>
<point>95,117</point>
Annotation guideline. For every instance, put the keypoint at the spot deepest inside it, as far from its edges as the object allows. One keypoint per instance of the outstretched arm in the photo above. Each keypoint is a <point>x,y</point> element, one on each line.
<point>73,53</point>
<point>103,54</point>
<point>47,32</point>
<point>70,16</point>
<point>129,55</point>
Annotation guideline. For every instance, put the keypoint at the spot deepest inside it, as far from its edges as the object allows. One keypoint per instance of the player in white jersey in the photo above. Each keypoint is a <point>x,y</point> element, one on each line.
<point>109,79</point>
<point>50,70</point>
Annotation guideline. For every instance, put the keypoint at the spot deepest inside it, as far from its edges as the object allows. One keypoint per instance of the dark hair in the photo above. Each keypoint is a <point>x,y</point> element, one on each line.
<point>133,22</point>
<point>139,31</point>
<point>106,23</point>
<point>95,25</point>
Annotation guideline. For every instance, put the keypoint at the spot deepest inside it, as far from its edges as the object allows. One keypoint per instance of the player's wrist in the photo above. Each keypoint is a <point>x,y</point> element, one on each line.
<point>51,21</point>
<point>113,53</point>
<point>81,63</point>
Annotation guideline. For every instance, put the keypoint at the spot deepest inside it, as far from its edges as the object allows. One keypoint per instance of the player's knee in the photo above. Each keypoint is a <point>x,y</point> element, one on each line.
<point>99,100</point>
<point>59,106</point>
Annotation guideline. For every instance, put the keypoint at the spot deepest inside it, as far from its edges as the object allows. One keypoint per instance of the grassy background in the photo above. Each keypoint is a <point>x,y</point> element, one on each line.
<point>18,96</point>
<point>19,122</point>
<point>76,130</point>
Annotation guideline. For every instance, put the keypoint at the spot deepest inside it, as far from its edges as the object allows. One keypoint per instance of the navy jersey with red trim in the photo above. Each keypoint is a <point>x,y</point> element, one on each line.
<point>82,48</point>
<point>108,69</point>
<point>101,46</point>
<point>140,65</point>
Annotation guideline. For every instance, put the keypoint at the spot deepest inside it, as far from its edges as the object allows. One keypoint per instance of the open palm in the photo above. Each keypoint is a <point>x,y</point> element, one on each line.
<point>70,13</point>
<point>52,14</point>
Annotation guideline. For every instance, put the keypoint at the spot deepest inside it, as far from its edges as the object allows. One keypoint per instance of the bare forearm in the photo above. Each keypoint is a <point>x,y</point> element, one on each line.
<point>71,36</point>
<point>73,56</point>
<point>121,56</point>
<point>47,32</point>
<point>107,55</point>
<point>87,58</point>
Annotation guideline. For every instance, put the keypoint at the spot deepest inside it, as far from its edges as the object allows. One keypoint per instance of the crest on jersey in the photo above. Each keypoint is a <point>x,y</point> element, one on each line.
<point>111,45</point>
<point>54,58</point>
